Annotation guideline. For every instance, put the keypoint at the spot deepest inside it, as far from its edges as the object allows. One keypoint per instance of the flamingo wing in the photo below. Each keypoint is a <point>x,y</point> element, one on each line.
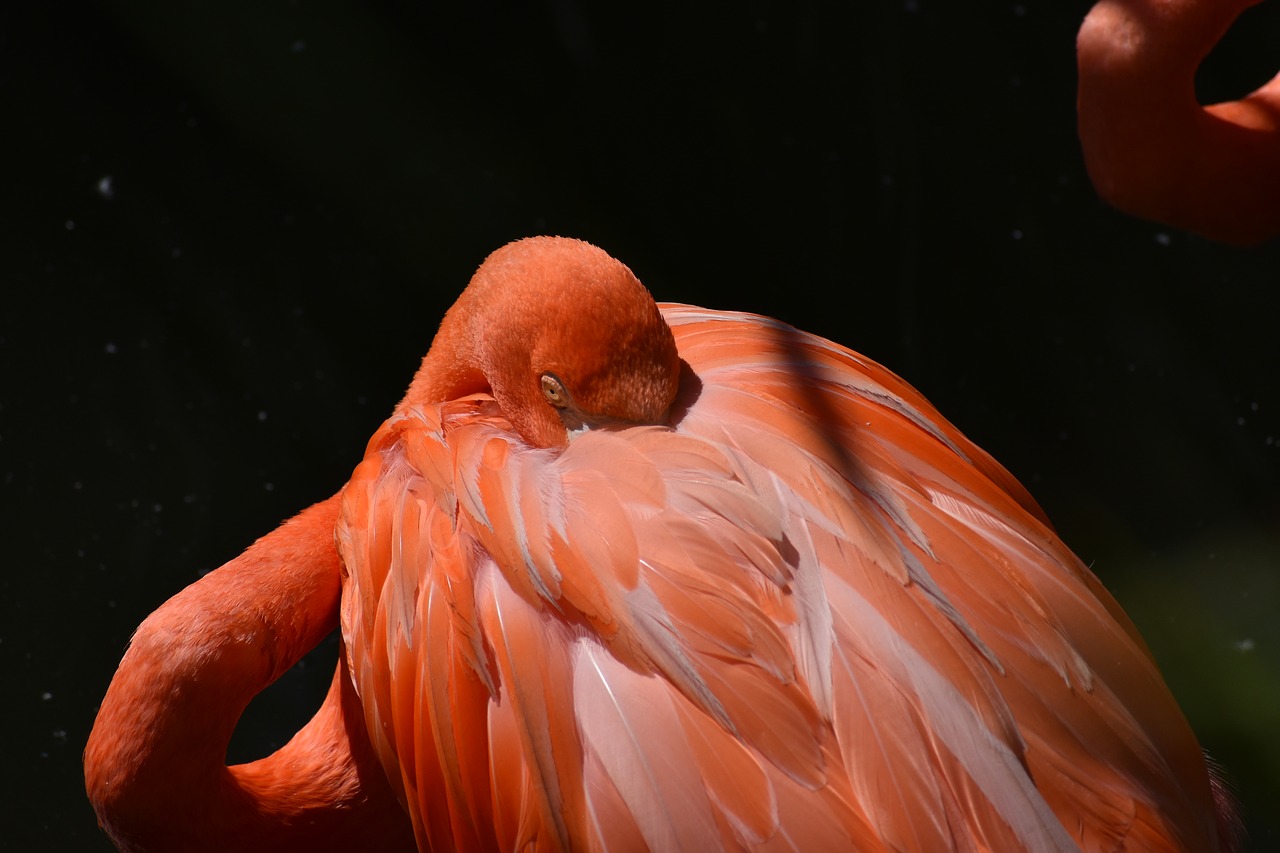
<point>990,656</point>
<point>809,615</point>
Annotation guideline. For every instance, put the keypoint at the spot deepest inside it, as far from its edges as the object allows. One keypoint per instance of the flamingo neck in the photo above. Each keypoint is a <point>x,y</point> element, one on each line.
<point>155,763</point>
<point>451,368</point>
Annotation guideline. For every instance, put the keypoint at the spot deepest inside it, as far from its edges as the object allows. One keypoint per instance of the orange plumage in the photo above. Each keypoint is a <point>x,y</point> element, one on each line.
<point>764,597</point>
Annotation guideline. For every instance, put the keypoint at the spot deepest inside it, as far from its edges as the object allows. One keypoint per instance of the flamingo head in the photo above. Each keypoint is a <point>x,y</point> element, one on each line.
<point>563,336</point>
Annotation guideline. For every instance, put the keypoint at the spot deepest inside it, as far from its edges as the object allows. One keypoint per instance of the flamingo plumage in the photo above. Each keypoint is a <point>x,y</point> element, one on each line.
<point>624,576</point>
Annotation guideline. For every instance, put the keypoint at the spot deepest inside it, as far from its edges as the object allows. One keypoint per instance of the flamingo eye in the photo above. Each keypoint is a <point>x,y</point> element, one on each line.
<point>554,391</point>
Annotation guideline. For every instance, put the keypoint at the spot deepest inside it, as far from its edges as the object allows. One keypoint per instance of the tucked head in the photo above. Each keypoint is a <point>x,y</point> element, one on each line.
<point>563,336</point>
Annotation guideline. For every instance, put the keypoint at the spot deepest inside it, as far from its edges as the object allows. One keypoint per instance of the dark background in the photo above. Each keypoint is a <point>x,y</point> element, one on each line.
<point>230,230</point>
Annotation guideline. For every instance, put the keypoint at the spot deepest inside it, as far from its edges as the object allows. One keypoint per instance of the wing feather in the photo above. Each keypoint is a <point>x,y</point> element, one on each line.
<point>534,670</point>
<point>648,762</point>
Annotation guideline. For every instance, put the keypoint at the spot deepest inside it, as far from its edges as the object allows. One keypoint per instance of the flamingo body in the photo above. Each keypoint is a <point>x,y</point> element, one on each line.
<point>616,576</point>
<point>805,613</point>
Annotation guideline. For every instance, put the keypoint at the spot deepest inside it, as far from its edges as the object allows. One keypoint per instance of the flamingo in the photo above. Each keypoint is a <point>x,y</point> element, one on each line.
<point>1151,149</point>
<point>621,575</point>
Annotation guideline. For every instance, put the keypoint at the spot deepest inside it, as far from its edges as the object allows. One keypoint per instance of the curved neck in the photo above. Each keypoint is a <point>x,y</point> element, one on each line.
<point>155,762</point>
<point>459,364</point>
<point>450,368</point>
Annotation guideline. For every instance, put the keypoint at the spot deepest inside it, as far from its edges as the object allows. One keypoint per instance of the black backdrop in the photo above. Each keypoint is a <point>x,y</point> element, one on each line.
<point>230,230</point>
